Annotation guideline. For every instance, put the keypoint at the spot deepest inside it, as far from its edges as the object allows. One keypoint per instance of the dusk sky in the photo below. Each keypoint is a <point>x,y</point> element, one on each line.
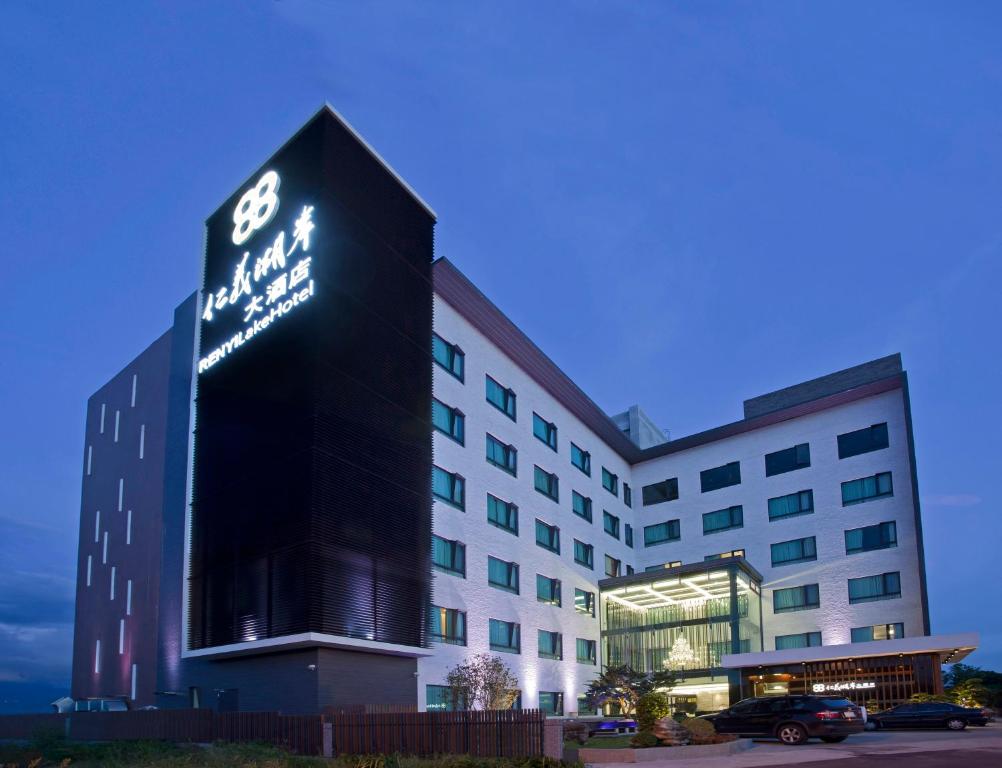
<point>684,205</point>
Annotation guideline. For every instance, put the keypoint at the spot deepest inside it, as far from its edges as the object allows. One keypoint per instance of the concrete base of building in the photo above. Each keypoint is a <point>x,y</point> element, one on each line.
<point>655,754</point>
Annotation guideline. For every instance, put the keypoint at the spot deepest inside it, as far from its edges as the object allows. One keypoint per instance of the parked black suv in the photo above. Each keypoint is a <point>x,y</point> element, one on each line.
<point>791,719</point>
<point>930,714</point>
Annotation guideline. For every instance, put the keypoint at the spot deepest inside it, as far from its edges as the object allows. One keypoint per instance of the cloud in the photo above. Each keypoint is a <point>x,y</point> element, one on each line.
<point>951,500</point>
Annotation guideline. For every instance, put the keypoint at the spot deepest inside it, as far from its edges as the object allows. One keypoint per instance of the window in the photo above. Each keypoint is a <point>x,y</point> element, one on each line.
<point>613,567</point>
<point>505,636</point>
<point>544,430</point>
<point>448,421</point>
<point>883,586</point>
<point>581,505</point>
<point>628,495</point>
<point>629,570</point>
<point>501,398</point>
<point>720,477</point>
<point>663,566</point>
<point>546,484</point>
<point>502,574</point>
<point>795,598</point>
<point>548,536</point>
<point>547,590</point>
<point>447,355</point>
<point>584,602</point>
<point>584,554</point>
<point>581,459</point>
<point>611,524</point>
<point>551,645</point>
<point>725,555</point>
<point>799,503</point>
<point>449,487</point>
<point>864,440</point>
<point>447,625</point>
<point>670,530</point>
<point>656,493</point>
<point>723,520</point>
<point>865,488</point>
<point>628,535</point>
<point>879,536</point>
<point>878,632</point>
<point>551,702</point>
<point>795,551</point>
<point>788,459</point>
<point>586,651</point>
<point>501,455</point>
<point>610,482</point>
<point>802,640</point>
<point>441,698</point>
<point>448,555</point>
<point>502,514</point>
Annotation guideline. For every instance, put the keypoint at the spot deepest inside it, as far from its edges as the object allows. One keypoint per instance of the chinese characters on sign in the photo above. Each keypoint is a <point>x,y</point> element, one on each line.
<point>275,282</point>
<point>850,686</point>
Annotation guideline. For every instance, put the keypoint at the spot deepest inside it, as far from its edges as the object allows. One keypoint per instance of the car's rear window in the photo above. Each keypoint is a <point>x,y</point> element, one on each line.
<point>835,703</point>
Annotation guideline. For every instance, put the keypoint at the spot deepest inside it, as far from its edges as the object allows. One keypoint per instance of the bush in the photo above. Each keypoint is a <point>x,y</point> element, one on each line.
<point>700,729</point>
<point>643,740</point>
<point>650,708</point>
<point>679,716</point>
<point>575,730</point>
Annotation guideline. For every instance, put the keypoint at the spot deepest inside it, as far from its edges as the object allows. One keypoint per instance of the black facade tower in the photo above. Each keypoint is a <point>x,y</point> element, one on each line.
<point>310,508</point>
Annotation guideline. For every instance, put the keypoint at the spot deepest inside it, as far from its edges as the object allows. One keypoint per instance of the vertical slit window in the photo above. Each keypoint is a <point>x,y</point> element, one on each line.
<point>142,440</point>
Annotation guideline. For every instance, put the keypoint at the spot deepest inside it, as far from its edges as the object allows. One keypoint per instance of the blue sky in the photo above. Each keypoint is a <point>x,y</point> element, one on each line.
<point>684,204</point>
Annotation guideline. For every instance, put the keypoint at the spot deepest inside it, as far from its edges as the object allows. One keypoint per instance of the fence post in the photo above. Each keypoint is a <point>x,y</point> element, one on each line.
<point>328,739</point>
<point>553,738</point>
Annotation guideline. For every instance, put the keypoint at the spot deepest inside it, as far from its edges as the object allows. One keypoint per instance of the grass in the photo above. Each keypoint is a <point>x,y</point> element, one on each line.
<point>53,752</point>
<point>608,742</point>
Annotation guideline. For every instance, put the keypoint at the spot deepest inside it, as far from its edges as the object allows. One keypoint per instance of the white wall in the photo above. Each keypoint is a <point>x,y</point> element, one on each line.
<point>473,594</point>
<point>830,519</point>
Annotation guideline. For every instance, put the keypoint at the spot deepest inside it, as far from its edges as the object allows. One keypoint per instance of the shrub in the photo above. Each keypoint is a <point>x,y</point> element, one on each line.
<point>679,716</point>
<point>575,730</point>
<point>650,708</point>
<point>700,729</point>
<point>643,740</point>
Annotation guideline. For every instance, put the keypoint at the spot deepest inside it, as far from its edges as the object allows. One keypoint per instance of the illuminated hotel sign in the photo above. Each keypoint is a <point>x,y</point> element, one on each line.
<point>848,686</point>
<point>271,284</point>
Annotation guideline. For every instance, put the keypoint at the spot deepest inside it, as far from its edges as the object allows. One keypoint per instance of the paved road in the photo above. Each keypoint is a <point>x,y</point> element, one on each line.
<point>973,748</point>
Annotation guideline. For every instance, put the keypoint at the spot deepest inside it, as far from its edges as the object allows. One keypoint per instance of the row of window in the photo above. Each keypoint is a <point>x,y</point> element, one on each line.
<point>448,625</point>
<point>449,420</point>
<point>882,586</point>
<point>864,539</point>
<point>859,635</point>
<point>871,438</point>
<point>442,698</point>
<point>449,556</point>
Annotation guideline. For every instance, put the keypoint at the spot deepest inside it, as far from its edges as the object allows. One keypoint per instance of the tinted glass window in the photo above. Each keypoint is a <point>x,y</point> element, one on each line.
<point>862,441</point>
<point>720,477</point>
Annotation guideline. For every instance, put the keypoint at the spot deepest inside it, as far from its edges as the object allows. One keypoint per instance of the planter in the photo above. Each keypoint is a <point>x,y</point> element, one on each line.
<point>652,754</point>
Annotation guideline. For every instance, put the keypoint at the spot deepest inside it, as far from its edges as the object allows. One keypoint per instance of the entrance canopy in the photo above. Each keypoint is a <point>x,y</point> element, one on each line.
<point>949,648</point>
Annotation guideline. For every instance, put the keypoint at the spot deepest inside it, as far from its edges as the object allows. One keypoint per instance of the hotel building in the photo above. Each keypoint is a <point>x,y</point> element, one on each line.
<point>343,470</point>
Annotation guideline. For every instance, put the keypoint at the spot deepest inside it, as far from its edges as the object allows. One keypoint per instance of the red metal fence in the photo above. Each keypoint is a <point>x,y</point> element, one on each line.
<point>482,734</point>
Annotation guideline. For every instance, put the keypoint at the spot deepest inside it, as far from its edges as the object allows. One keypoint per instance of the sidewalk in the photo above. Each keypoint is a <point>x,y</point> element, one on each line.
<point>771,753</point>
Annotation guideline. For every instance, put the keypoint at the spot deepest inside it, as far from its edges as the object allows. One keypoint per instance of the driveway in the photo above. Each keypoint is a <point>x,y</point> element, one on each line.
<point>972,748</point>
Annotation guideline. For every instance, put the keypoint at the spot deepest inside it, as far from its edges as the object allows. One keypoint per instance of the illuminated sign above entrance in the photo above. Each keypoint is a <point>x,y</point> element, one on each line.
<point>275,283</point>
<point>847,686</point>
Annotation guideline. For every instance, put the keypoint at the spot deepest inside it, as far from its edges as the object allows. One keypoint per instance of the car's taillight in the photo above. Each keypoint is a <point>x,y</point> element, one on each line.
<point>828,715</point>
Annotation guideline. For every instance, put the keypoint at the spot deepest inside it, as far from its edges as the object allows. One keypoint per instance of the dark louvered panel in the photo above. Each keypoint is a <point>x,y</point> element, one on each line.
<point>311,507</point>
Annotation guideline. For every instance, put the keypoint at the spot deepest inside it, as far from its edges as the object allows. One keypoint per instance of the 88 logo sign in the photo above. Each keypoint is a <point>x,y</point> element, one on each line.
<point>256,208</point>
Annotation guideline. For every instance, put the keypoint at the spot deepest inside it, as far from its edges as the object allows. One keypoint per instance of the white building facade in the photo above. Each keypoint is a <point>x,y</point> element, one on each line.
<point>815,488</point>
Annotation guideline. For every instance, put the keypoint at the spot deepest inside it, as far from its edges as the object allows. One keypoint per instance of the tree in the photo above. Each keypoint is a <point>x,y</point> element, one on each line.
<point>624,686</point>
<point>970,693</point>
<point>990,683</point>
<point>483,682</point>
